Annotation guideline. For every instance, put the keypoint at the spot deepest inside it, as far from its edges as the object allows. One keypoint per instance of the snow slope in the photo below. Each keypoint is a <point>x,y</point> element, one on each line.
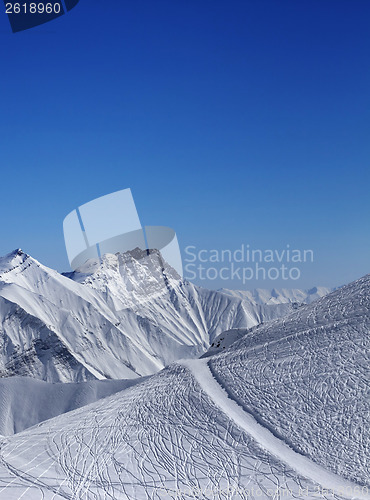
<point>264,437</point>
<point>164,438</point>
<point>306,377</point>
<point>224,340</point>
<point>282,413</point>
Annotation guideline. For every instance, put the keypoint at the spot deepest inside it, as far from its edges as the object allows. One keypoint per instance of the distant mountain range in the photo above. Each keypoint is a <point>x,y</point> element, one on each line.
<point>279,296</point>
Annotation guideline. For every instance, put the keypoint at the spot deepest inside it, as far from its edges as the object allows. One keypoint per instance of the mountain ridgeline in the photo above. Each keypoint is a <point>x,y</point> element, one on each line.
<point>118,317</point>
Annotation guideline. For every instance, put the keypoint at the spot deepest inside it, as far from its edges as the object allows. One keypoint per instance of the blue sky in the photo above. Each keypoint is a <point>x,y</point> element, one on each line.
<point>242,122</point>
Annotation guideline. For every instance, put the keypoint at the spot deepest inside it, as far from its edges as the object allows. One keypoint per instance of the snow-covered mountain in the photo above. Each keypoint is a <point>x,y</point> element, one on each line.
<point>121,316</point>
<point>60,331</point>
<point>281,413</point>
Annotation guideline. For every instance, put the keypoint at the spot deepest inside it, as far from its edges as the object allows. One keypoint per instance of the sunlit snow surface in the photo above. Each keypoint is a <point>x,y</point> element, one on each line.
<point>297,388</point>
<point>307,377</point>
<point>161,438</point>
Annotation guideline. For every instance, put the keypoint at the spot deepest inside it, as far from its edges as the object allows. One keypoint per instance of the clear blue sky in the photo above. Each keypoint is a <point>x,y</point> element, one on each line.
<point>231,121</point>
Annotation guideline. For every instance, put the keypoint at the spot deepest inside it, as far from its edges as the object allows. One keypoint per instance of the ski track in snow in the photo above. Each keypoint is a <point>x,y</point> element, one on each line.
<point>164,438</point>
<point>264,437</point>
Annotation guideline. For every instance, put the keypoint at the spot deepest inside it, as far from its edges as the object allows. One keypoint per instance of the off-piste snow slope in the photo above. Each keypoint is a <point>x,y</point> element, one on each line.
<point>282,413</point>
<point>306,377</point>
<point>119,317</point>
